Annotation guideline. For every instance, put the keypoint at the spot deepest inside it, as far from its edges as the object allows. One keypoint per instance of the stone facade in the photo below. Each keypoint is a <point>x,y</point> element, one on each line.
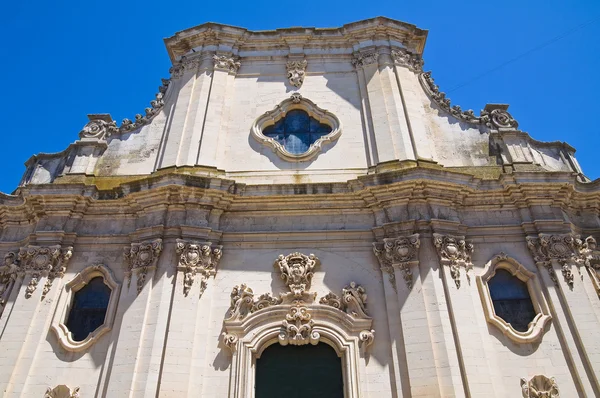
<point>215,241</point>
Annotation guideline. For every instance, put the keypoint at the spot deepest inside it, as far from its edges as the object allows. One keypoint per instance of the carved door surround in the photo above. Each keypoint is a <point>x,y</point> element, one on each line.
<point>253,323</point>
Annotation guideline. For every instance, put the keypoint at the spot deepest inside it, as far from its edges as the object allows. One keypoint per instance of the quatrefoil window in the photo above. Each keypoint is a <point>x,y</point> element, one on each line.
<point>296,129</point>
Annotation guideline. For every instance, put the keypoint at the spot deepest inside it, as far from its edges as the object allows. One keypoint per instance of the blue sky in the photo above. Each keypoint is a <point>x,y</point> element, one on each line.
<point>62,60</point>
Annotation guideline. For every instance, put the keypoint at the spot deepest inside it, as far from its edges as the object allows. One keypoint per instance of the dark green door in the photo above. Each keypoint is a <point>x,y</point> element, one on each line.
<point>313,371</point>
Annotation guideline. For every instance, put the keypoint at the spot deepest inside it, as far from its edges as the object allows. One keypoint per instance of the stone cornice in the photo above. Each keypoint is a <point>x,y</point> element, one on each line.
<point>212,35</point>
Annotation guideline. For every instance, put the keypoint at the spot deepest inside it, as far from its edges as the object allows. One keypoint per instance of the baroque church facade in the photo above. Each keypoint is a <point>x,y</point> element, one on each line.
<point>301,212</point>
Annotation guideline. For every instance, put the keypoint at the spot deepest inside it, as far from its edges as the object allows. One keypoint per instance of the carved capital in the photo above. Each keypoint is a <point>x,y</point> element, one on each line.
<point>185,64</point>
<point>197,258</point>
<point>361,60</point>
<point>99,127</point>
<point>62,391</point>
<point>353,301</point>
<point>297,272</point>
<point>38,261</point>
<point>297,328</point>
<point>454,251</point>
<point>398,253</point>
<point>140,258</point>
<point>539,386</point>
<point>407,59</point>
<point>296,70</point>
<point>227,63</point>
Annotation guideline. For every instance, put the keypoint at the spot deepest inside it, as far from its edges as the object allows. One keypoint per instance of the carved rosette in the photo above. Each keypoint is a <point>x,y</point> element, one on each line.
<point>539,386</point>
<point>62,391</point>
<point>227,63</point>
<point>398,253</point>
<point>296,70</point>
<point>361,60</point>
<point>140,258</point>
<point>297,272</point>
<point>352,302</point>
<point>297,328</point>
<point>197,258</point>
<point>566,249</point>
<point>455,252</point>
<point>39,261</point>
<point>494,116</point>
<point>407,59</point>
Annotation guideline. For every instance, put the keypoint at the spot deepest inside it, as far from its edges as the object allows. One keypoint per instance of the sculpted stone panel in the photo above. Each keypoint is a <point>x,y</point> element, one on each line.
<point>140,258</point>
<point>297,271</point>
<point>39,261</point>
<point>539,386</point>
<point>197,258</point>
<point>398,253</point>
<point>296,70</point>
<point>455,252</point>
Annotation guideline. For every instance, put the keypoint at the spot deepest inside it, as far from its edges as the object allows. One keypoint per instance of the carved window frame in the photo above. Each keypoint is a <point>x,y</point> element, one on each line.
<point>65,302</point>
<point>538,324</point>
<point>248,339</point>
<point>296,101</point>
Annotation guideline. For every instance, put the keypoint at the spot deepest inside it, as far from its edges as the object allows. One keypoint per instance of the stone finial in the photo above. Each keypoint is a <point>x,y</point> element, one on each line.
<point>456,252</point>
<point>140,258</point>
<point>197,258</point>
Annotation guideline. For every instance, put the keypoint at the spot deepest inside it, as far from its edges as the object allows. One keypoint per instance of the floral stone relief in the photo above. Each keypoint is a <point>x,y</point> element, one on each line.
<point>455,252</point>
<point>398,253</point>
<point>197,258</point>
<point>39,261</point>
<point>140,258</point>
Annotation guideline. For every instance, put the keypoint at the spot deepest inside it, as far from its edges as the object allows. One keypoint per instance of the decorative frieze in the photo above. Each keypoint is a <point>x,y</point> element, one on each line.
<point>455,252</point>
<point>197,258</point>
<point>139,259</point>
<point>62,391</point>
<point>539,386</point>
<point>407,59</point>
<point>361,60</point>
<point>296,70</point>
<point>398,253</point>
<point>297,272</point>
<point>40,261</point>
<point>493,116</point>
<point>227,63</point>
<point>352,302</point>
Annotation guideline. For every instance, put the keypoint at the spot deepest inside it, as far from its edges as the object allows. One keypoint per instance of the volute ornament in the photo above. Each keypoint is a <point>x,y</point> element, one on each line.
<point>197,258</point>
<point>297,328</point>
<point>455,252</point>
<point>140,258</point>
<point>296,70</point>
<point>62,391</point>
<point>39,261</point>
<point>539,386</point>
<point>400,253</point>
<point>99,127</point>
<point>352,302</point>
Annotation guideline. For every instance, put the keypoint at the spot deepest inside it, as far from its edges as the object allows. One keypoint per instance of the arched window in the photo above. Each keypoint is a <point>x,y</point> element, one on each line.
<point>318,363</point>
<point>511,300</point>
<point>297,131</point>
<point>88,310</point>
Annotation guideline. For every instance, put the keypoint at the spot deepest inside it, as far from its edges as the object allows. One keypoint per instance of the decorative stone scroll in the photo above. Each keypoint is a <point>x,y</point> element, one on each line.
<point>407,59</point>
<point>398,253</point>
<point>540,386</point>
<point>139,259</point>
<point>296,70</point>
<point>40,261</point>
<point>361,60</point>
<point>297,328</point>
<point>567,250</point>
<point>493,116</point>
<point>352,302</point>
<point>197,258</point>
<point>455,252</point>
<point>227,63</point>
<point>62,391</point>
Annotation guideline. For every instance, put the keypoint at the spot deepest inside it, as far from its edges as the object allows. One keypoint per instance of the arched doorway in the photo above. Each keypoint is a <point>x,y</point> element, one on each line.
<point>299,371</point>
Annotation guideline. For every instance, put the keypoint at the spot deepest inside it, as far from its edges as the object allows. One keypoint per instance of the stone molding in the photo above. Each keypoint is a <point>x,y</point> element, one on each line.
<point>537,326</point>
<point>493,116</point>
<point>227,62</point>
<point>61,315</point>
<point>362,59</point>
<point>43,261</point>
<point>540,386</point>
<point>405,58</point>
<point>398,253</point>
<point>567,250</point>
<point>296,101</point>
<point>62,391</point>
<point>296,70</point>
<point>197,258</point>
<point>141,258</point>
<point>455,252</point>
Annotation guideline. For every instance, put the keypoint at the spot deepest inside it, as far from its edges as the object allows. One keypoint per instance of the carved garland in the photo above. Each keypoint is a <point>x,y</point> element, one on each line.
<point>139,259</point>
<point>398,253</point>
<point>40,261</point>
<point>197,258</point>
<point>455,252</point>
<point>493,116</point>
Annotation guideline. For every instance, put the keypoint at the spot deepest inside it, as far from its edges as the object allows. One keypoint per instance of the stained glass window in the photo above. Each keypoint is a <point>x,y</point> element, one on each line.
<point>299,372</point>
<point>511,300</point>
<point>297,131</point>
<point>88,309</point>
